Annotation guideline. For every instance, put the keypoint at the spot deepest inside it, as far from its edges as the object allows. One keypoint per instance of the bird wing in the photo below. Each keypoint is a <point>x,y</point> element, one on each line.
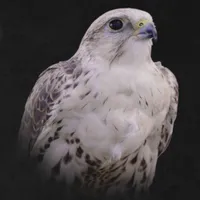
<point>43,102</point>
<point>168,124</point>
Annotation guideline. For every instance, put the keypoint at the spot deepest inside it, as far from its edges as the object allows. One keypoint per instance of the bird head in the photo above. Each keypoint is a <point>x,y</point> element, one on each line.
<point>121,35</point>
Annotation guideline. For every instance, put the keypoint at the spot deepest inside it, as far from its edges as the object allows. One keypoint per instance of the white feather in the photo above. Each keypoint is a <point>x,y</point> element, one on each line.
<point>132,101</point>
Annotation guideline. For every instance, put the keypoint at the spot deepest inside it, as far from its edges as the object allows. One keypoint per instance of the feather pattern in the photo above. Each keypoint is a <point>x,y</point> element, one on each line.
<point>168,124</point>
<point>102,118</point>
<point>43,103</point>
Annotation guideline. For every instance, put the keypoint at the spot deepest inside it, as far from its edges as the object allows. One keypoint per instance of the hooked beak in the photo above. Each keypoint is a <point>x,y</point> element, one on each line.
<point>146,30</point>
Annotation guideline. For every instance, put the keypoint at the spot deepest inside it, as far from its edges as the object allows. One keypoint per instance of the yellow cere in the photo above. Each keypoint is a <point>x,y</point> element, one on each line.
<point>141,23</point>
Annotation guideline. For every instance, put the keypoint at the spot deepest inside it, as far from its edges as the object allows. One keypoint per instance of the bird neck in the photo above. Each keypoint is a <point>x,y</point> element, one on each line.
<point>138,53</point>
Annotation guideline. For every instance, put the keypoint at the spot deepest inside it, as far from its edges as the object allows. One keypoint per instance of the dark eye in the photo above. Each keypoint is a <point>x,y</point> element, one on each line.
<point>116,24</point>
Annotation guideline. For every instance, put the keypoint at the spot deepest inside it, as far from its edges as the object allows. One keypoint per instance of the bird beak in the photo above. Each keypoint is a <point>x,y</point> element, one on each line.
<point>145,30</point>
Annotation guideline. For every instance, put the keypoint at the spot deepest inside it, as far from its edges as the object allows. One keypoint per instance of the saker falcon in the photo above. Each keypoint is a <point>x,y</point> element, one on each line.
<point>104,116</point>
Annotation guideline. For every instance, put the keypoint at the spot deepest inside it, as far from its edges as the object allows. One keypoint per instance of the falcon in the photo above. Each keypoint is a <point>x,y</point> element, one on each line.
<point>103,117</point>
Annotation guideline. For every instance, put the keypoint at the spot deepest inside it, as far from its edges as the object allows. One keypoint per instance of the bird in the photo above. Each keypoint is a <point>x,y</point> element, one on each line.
<point>103,117</point>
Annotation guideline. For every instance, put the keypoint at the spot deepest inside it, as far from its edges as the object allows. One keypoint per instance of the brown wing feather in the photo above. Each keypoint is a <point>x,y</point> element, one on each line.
<point>168,124</point>
<point>42,102</point>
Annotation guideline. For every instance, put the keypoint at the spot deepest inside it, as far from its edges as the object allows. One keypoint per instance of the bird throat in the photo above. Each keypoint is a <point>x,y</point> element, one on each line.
<point>135,53</point>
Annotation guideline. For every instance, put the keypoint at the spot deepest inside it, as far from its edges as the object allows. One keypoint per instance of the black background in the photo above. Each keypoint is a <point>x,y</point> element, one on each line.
<point>36,34</point>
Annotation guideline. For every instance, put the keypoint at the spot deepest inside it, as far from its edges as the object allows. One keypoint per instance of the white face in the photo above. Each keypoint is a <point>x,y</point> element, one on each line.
<point>118,32</point>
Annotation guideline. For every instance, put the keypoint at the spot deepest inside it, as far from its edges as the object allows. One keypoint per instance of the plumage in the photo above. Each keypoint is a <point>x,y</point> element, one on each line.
<point>104,116</point>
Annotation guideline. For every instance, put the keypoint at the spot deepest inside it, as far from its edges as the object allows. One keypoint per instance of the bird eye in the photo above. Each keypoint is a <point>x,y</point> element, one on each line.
<point>116,24</point>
